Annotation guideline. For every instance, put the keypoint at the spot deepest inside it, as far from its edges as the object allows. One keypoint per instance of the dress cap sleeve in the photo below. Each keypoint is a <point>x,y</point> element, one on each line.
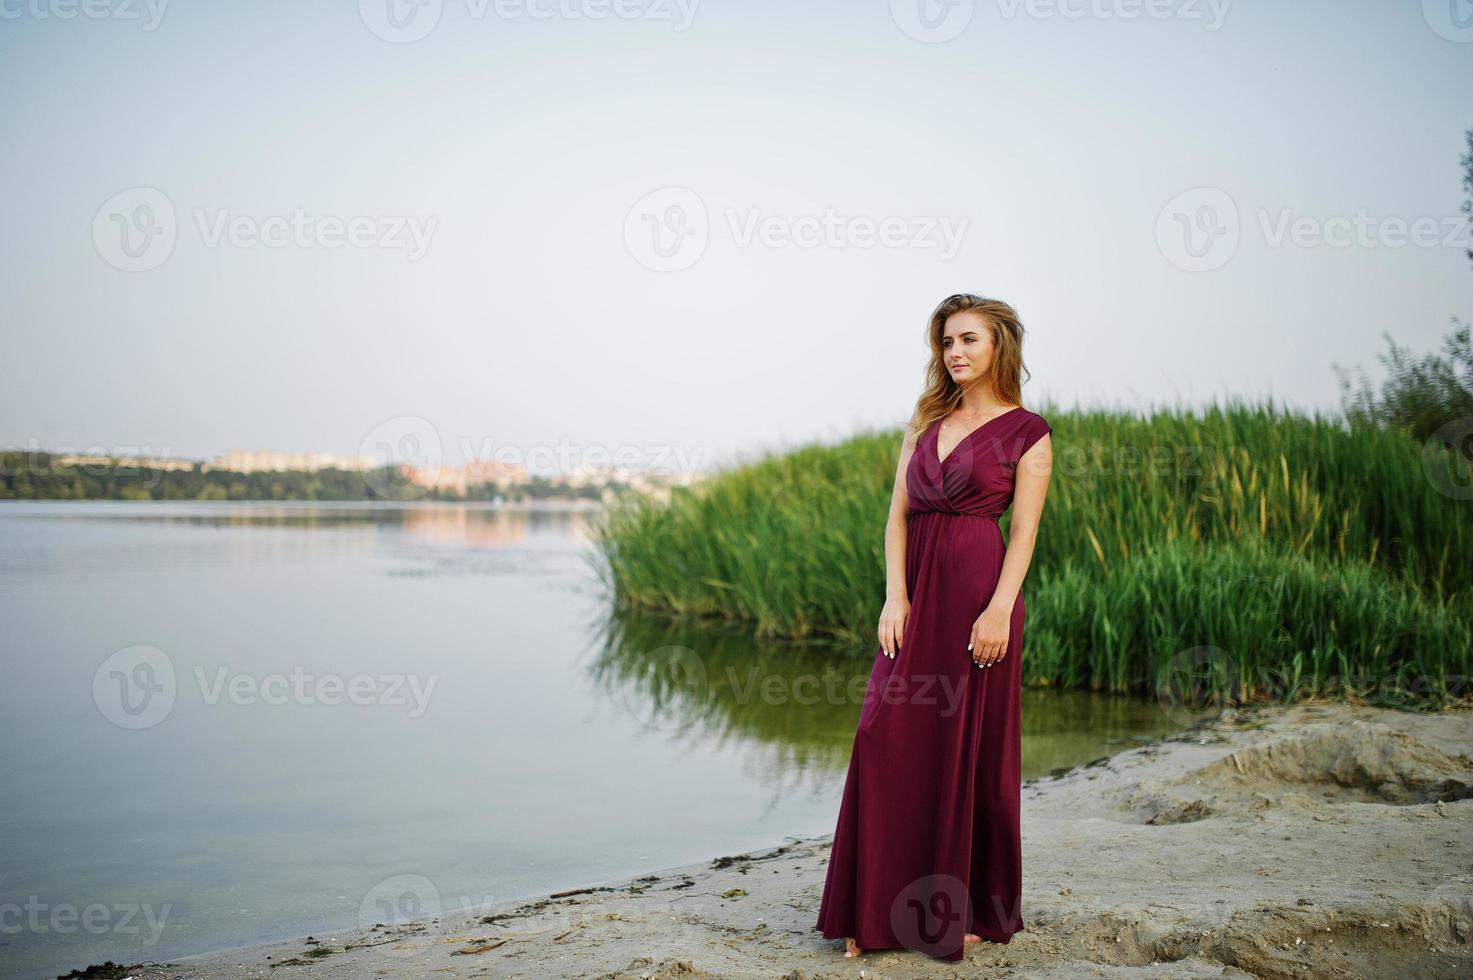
<point>1033,430</point>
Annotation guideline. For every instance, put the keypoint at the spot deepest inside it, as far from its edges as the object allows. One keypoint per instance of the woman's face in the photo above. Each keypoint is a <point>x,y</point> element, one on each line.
<point>966,347</point>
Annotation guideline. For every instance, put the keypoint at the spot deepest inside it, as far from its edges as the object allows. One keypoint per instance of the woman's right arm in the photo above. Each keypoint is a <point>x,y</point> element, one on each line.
<point>897,595</point>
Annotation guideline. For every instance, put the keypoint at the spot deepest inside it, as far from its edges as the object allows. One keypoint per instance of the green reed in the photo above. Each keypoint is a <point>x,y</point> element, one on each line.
<point>1313,554</point>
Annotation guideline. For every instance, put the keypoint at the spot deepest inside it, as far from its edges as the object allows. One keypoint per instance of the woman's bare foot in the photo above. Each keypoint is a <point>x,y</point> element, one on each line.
<point>851,948</point>
<point>971,937</point>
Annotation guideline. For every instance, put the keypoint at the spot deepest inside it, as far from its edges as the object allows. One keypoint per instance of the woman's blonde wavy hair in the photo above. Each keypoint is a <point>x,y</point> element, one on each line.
<point>942,394</point>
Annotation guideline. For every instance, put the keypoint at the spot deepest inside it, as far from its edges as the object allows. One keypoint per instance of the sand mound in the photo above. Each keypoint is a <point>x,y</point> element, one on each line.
<point>1271,940</point>
<point>1354,761</point>
<point>1312,767</point>
<point>645,968</point>
<point>1317,942</point>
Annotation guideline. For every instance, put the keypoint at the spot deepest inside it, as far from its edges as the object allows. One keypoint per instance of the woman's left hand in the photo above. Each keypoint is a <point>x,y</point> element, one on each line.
<point>990,637</point>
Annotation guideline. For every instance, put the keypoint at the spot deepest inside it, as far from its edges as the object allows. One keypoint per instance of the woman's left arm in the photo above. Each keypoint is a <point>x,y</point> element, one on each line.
<point>1030,487</point>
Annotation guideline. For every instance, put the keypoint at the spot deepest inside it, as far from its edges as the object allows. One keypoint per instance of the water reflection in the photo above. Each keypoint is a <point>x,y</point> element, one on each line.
<point>464,525</point>
<point>408,540</point>
<point>688,682</point>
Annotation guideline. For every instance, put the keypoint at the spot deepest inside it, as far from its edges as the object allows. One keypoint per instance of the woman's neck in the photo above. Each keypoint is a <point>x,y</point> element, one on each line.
<point>977,403</point>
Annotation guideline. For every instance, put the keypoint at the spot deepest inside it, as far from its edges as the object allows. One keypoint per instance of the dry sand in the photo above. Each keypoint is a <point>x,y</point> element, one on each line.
<point>1322,840</point>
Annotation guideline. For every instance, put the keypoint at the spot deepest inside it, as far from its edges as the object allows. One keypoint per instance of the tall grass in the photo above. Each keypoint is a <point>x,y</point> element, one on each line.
<point>1314,554</point>
<point>1281,624</point>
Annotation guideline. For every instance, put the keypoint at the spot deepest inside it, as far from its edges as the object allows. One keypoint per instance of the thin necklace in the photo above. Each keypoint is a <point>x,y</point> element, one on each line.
<point>946,422</point>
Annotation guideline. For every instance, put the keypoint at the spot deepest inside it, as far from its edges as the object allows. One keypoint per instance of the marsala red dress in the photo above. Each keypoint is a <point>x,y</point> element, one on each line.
<point>927,846</point>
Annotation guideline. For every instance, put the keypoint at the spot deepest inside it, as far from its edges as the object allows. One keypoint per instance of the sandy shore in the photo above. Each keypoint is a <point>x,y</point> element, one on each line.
<point>1314,841</point>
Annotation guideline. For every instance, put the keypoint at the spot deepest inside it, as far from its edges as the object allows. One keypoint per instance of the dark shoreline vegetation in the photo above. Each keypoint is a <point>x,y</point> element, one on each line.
<point>37,475</point>
<point>1242,552</point>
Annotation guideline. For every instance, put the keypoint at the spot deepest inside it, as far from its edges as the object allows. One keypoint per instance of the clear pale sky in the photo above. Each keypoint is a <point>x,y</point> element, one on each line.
<point>538,154</point>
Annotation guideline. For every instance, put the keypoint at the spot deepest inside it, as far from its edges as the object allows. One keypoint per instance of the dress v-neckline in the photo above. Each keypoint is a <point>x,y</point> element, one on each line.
<point>936,443</point>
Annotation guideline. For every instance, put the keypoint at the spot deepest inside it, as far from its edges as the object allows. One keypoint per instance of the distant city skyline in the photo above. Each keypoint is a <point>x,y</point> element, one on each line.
<point>705,233</point>
<point>501,471</point>
<point>424,455</point>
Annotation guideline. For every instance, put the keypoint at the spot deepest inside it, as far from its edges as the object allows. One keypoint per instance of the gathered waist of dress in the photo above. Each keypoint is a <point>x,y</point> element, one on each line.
<point>994,518</point>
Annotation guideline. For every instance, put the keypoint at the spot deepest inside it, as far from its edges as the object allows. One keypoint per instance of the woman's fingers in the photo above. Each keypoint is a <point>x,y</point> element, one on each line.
<point>985,654</point>
<point>889,638</point>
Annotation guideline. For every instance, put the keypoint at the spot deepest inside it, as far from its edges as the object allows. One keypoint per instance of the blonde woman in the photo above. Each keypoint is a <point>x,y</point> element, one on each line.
<point>926,853</point>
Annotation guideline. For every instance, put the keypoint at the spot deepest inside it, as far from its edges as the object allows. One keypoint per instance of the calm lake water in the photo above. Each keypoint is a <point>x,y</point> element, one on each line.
<point>233,723</point>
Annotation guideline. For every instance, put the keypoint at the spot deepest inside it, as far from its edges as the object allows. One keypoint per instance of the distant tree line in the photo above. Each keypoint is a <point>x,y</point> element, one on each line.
<point>32,475</point>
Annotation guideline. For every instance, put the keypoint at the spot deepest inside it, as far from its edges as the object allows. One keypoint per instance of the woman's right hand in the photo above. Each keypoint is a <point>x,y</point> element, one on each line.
<point>892,625</point>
